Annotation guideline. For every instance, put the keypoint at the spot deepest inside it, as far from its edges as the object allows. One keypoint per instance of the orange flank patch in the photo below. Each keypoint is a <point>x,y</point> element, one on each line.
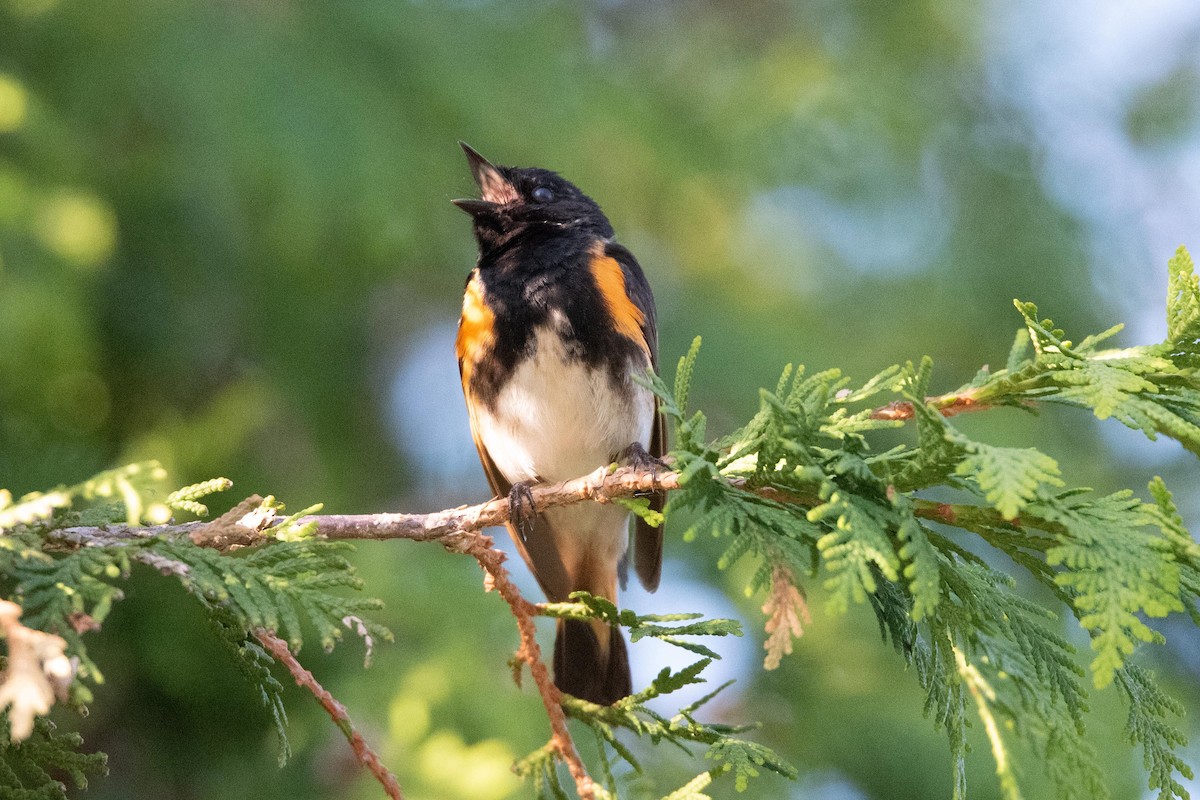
<point>610,280</point>
<point>476,329</point>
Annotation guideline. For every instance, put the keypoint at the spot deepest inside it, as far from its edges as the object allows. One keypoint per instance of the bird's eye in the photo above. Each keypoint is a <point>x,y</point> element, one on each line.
<point>542,195</point>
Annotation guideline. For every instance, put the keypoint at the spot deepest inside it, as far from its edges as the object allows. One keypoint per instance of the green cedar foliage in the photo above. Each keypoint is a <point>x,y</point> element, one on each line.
<point>28,770</point>
<point>732,754</point>
<point>801,489</point>
<point>801,486</point>
<point>67,581</point>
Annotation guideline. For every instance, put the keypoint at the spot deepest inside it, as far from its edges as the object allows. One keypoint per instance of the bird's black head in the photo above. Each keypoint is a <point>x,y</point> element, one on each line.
<point>526,200</point>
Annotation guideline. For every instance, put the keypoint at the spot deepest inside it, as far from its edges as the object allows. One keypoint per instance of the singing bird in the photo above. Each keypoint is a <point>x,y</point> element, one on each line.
<point>557,319</point>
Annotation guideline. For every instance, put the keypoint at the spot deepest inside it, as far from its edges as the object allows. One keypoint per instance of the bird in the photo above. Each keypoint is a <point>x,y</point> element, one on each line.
<point>558,321</point>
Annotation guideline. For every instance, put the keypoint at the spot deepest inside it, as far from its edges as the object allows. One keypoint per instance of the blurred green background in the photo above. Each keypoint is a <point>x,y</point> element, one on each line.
<point>226,244</point>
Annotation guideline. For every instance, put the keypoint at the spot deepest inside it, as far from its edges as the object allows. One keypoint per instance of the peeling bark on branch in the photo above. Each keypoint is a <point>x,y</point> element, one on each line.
<point>600,486</point>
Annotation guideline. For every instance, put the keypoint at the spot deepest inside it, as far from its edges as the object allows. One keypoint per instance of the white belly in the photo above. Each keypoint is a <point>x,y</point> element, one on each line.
<point>556,420</point>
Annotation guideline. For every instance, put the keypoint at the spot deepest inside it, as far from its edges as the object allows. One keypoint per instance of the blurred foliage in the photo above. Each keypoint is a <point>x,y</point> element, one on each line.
<point>222,226</point>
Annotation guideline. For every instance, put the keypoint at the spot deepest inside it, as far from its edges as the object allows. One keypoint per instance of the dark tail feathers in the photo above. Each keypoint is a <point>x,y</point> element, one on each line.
<point>583,669</point>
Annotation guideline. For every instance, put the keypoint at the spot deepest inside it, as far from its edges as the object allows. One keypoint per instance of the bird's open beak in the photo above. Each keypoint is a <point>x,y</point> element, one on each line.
<point>494,187</point>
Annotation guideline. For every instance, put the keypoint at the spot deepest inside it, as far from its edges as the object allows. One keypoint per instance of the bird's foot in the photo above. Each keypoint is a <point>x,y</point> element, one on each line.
<point>521,510</point>
<point>636,456</point>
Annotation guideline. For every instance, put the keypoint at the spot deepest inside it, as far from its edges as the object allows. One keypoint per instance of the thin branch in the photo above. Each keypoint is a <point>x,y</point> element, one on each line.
<point>238,529</point>
<point>491,560</point>
<point>600,486</point>
<point>121,536</point>
<point>948,404</point>
<point>337,712</point>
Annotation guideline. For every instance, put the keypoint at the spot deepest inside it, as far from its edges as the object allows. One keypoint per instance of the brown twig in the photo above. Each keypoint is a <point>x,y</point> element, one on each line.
<point>491,560</point>
<point>304,679</point>
<point>948,404</point>
<point>600,486</point>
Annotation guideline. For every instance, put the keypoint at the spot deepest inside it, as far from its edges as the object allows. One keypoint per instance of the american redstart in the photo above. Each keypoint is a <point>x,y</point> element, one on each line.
<point>557,320</point>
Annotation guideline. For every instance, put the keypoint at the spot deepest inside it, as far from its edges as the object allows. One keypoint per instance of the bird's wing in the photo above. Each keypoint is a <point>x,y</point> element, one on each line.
<point>648,541</point>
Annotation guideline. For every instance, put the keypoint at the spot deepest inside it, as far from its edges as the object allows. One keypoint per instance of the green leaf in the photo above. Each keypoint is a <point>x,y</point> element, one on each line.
<point>254,663</point>
<point>1046,339</point>
<point>640,506</point>
<point>1026,677</point>
<point>858,542</point>
<point>921,569</point>
<point>588,606</point>
<point>131,489</point>
<point>187,498</point>
<point>939,446</point>
<point>985,703</point>
<point>1117,569</point>
<point>683,376</point>
<point>1090,343</point>
<point>1170,522</point>
<point>667,682</point>
<point>1018,354</point>
<point>1183,301</point>
<point>274,585</point>
<point>692,789</point>
<point>741,757</point>
<point>1147,725</point>
<point>541,766</point>
<point>1108,390</point>
<point>744,758</point>
<point>1008,477</point>
<point>871,388</point>
<point>73,588</point>
<point>29,771</point>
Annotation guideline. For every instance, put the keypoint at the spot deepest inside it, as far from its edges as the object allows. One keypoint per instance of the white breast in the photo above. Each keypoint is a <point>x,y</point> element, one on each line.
<point>556,419</point>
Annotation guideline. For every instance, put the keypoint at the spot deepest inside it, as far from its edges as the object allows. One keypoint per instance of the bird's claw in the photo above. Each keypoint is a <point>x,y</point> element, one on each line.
<point>521,509</point>
<point>635,456</point>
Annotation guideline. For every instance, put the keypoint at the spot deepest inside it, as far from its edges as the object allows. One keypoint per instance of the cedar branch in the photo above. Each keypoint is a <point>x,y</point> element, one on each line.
<point>949,405</point>
<point>492,560</point>
<point>337,712</point>
<point>460,530</point>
